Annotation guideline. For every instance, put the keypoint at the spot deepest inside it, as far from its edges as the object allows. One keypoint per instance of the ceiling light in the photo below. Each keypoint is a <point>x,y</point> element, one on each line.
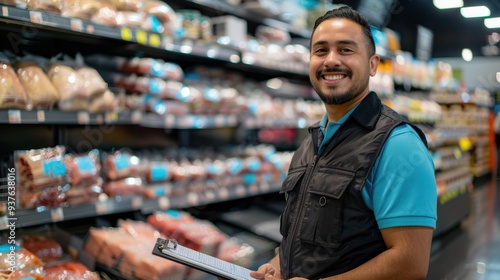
<point>492,22</point>
<point>467,54</point>
<point>447,4</point>
<point>476,11</point>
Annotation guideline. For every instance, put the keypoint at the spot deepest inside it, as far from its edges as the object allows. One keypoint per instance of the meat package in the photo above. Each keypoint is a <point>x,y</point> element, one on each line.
<point>123,172</point>
<point>12,92</point>
<point>41,175</point>
<point>84,176</point>
<point>41,92</point>
<point>53,6</point>
<point>44,247</point>
<point>69,270</point>
<point>24,262</point>
<point>130,254</point>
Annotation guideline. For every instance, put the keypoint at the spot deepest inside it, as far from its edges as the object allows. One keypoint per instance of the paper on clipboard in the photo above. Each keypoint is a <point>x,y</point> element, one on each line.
<point>170,249</point>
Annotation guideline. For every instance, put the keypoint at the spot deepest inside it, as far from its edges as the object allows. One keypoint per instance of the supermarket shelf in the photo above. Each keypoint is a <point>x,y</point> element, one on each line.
<point>253,123</point>
<point>219,6</point>
<point>453,206</point>
<point>43,215</point>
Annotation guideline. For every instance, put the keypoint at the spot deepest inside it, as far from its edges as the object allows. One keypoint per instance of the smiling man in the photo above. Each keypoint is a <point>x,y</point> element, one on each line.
<point>361,193</point>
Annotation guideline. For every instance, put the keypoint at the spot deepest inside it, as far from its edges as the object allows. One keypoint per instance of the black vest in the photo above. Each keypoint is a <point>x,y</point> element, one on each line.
<point>326,226</point>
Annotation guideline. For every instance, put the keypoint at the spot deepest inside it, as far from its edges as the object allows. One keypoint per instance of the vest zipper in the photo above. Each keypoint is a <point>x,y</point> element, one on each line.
<point>301,199</point>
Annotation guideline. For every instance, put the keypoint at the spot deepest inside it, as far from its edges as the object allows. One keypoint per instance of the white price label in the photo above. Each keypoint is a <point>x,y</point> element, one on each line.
<point>36,17</point>
<point>57,214</point>
<point>5,11</point>
<point>76,24</point>
<point>102,208</point>
<point>40,115</point>
<point>163,203</point>
<point>83,118</point>
<point>136,202</point>
<point>14,116</point>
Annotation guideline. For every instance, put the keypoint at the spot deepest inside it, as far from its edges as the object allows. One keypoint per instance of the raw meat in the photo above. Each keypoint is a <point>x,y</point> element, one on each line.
<point>41,92</point>
<point>12,93</point>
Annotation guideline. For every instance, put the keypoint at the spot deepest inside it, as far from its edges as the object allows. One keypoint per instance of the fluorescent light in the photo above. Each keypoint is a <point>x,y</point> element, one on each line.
<point>492,22</point>
<point>476,11</point>
<point>467,54</point>
<point>447,4</point>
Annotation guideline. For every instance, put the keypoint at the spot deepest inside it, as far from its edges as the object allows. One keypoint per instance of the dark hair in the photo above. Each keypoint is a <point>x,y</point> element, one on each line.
<point>350,14</point>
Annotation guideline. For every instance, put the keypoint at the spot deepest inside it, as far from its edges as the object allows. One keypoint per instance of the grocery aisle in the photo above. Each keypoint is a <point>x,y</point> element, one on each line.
<point>472,250</point>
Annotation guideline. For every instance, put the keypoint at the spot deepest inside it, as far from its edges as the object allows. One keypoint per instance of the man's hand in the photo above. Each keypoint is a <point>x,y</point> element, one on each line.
<point>266,271</point>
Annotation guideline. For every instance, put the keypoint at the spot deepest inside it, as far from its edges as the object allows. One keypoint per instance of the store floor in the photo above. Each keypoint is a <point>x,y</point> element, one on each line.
<point>472,250</point>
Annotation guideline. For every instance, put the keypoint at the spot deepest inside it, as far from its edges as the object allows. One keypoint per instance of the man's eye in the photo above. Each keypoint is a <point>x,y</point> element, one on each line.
<point>345,50</point>
<point>320,51</point>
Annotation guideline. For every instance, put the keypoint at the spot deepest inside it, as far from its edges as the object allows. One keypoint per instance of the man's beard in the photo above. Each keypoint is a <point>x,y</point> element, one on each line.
<point>335,98</point>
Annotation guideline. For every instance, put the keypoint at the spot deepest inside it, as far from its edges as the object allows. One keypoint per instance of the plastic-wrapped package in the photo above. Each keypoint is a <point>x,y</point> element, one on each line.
<point>121,164</point>
<point>170,221</point>
<point>16,3</point>
<point>44,247</point>
<point>66,80</point>
<point>82,167</point>
<point>139,20</point>
<point>105,15</point>
<point>12,92</point>
<point>70,270</point>
<point>41,92</point>
<point>86,192</point>
<point>127,5</point>
<point>54,6</point>
<point>124,187</point>
<point>154,67</point>
<point>81,8</point>
<point>52,197</point>
<point>233,251</point>
<point>105,102</point>
<point>91,81</point>
<point>41,167</point>
<point>161,10</point>
<point>24,262</point>
<point>139,229</point>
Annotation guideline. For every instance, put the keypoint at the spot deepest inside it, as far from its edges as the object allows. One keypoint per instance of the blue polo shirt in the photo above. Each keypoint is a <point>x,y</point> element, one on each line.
<point>401,188</point>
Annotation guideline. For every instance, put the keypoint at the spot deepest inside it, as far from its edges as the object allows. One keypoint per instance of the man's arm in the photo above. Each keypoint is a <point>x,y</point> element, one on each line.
<point>407,256</point>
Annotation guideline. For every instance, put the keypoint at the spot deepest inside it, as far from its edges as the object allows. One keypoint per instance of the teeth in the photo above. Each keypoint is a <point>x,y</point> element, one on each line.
<point>333,77</point>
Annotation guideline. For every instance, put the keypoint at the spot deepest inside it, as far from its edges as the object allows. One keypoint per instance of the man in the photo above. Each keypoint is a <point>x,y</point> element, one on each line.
<point>361,193</point>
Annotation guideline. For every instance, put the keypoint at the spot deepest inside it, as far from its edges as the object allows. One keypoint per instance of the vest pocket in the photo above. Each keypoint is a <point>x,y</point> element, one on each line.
<point>323,214</point>
<point>290,188</point>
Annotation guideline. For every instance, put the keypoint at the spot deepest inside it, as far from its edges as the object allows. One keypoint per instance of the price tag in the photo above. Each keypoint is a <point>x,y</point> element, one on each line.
<point>36,17</point>
<point>220,120</point>
<point>142,37</point>
<point>14,116</point>
<point>169,121</point>
<point>253,189</point>
<point>154,40</point>
<point>223,194</point>
<point>5,11</point>
<point>241,191</point>
<point>102,208</point>
<point>136,117</point>
<point>136,202</point>
<point>210,195</point>
<point>126,34</point>
<point>465,143</point>
<point>76,24</point>
<point>40,115</point>
<point>83,118</point>
<point>90,29</point>
<point>111,117</point>
<point>185,122</point>
<point>57,214</point>
<point>193,198</point>
<point>264,187</point>
<point>163,203</point>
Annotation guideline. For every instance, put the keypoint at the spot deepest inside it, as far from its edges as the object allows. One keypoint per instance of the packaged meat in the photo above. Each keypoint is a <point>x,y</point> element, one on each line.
<point>170,221</point>
<point>51,197</point>
<point>66,80</point>
<point>161,10</point>
<point>70,270</point>
<point>139,229</point>
<point>201,236</point>
<point>54,6</point>
<point>41,92</point>
<point>45,163</point>
<point>127,5</point>
<point>105,15</point>
<point>16,3</point>
<point>91,81</point>
<point>233,251</point>
<point>124,187</point>
<point>139,20</point>
<point>12,92</point>
<point>21,275</point>
<point>80,8</point>
<point>157,190</point>
<point>82,167</point>
<point>121,164</point>
<point>19,258</point>
<point>44,247</point>
<point>103,102</point>
<point>88,191</point>
<point>158,171</point>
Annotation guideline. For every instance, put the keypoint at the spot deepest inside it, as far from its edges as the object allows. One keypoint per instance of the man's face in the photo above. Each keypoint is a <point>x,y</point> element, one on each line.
<point>341,64</point>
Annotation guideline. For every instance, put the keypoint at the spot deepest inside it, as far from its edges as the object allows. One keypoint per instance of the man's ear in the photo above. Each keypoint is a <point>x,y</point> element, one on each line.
<point>374,62</point>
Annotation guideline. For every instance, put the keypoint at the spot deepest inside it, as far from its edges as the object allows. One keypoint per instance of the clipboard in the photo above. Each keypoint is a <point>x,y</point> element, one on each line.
<point>170,249</point>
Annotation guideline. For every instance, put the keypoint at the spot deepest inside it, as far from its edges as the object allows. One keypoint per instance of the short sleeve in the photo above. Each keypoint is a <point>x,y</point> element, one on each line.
<point>401,189</point>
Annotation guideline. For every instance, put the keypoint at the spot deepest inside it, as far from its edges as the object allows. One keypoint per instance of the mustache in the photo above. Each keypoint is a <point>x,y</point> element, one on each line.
<point>344,71</point>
